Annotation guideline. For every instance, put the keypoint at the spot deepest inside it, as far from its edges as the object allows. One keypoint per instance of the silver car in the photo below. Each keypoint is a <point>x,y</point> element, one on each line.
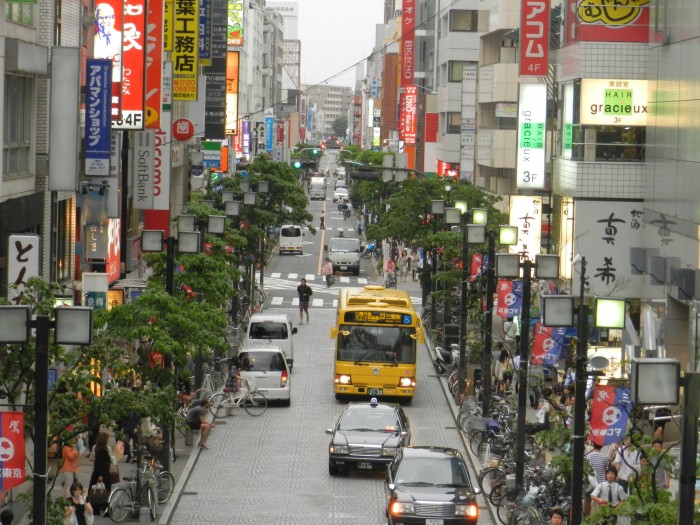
<point>269,368</point>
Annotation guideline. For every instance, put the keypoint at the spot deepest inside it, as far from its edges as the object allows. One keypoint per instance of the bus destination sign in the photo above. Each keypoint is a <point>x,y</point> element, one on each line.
<point>373,316</point>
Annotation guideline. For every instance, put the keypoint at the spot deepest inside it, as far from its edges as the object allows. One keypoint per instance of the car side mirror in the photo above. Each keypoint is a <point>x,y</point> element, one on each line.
<point>329,431</point>
<point>294,330</point>
<point>392,486</point>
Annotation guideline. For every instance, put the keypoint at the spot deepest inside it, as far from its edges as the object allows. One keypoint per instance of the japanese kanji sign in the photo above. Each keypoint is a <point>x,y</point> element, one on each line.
<point>22,263</point>
<point>185,54</point>
<point>12,454</point>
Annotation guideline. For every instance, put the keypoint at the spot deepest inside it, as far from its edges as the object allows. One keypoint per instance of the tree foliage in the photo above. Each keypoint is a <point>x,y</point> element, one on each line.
<point>340,126</point>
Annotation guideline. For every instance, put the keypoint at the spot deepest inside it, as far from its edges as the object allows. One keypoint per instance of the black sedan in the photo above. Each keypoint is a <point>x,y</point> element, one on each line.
<point>367,436</point>
<point>430,486</point>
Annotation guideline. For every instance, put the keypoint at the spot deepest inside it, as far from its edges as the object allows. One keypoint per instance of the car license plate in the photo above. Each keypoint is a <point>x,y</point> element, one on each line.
<point>364,465</point>
<point>374,391</point>
<point>433,522</point>
<point>343,267</point>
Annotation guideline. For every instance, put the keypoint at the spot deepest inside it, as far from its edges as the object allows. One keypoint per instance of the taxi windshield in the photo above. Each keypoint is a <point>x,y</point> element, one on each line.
<point>369,420</point>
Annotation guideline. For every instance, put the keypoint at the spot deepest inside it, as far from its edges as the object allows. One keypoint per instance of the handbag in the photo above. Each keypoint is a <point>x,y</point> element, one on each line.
<point>89,518</point>
<point>114,473</point>
<point>98,497</point>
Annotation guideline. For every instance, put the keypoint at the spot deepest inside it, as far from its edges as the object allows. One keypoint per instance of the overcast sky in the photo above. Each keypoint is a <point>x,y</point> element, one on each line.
<point>335,35</point>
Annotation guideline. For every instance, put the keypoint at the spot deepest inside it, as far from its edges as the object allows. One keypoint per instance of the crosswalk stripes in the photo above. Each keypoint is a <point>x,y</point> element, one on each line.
<point>315,303</point>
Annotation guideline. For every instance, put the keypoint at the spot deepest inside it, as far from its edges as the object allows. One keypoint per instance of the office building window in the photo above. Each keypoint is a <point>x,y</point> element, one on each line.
<point>454,122</point>
<point>18,118</point>
<point>455,68</point>
<point>463,20</point>
<point>20,13</point>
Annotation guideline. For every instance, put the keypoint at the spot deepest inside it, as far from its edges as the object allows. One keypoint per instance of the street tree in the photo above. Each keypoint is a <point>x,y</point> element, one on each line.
<point>340,126</point>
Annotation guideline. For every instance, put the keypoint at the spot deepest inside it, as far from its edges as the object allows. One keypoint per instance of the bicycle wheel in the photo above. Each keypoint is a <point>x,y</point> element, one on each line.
<point>529,517</point>
<point>219,405</point>
<point>165,485</point>
<point>119,504</point>
<point>504,509</point>
<point>255,404</point>
<point>152,501</point>
<point>491,478</point>
<point>475,439</point>
<point>203,393</point>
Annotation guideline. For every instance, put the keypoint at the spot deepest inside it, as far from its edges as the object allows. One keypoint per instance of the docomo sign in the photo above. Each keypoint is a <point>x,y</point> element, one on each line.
<point>534,35</point>
<point>183,129</point>
<point>532,114</point>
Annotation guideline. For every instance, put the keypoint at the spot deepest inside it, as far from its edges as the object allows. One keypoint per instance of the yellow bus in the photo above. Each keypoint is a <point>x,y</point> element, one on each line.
<point>377,333</point>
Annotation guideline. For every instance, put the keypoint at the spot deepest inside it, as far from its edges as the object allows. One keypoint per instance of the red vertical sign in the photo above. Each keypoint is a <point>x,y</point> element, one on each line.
<point>107,43</point>
<point>134,66</point>
<point>12,453</point>
<point>154,64</point>
<point>534,38</point>
<point>408,27</point>
<point>409,106</point>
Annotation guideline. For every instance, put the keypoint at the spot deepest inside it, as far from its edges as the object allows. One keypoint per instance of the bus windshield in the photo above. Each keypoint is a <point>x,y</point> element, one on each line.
<point>377,344</point>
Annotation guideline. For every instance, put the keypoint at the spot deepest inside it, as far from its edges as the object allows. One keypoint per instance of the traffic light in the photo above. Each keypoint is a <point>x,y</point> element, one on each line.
<point>365,173</point>
<point>309,164</point>
<point>315,152</point>
<point>296,164</point>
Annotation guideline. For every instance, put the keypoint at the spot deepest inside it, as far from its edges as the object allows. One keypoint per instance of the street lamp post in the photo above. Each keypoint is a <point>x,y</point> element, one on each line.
<point>488,321</point>
<point>509,266</point>
<point>475,232</point>
<point>72,326</point>
<point>558,310</point>
<point>187,242</point>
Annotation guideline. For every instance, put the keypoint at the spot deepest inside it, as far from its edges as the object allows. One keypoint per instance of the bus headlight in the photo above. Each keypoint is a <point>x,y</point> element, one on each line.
<point>343,379</point>
<point>407,382</point>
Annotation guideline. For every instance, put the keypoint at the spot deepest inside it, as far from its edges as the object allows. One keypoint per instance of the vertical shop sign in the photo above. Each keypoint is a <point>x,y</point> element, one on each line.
<point>168,11</point>
<point>526,214</point>
<point>185,49</point>
<point>98,89</point>
<point>234,31</point>
<point>205,7</point>
<point>232,72</point>
<point>532,116</point>
<point>534,38</point>
<point>108,42</point>
<point>154,64</point>
<point>22,263</point>
<point>143,167</point>
<point>133,81</point>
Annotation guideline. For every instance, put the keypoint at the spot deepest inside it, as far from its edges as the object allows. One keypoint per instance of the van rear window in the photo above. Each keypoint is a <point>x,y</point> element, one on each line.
<point>262,361</point>
<point>268,330</point>
<point>290,231</point>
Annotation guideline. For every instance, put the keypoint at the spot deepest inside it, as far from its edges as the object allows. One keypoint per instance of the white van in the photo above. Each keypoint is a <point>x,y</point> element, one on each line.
<point>271,372</point>
<point>317,188</point>
<point>291,239</point>
<point>345,254</point>
<point>265,330</point>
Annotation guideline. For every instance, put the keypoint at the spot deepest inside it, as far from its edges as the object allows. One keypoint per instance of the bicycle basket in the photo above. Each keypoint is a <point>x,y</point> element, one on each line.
<point>251,384</point>
<point>489,458</point>
<point>510,482</point>
<point>154,445</point>
<point>477,423</point>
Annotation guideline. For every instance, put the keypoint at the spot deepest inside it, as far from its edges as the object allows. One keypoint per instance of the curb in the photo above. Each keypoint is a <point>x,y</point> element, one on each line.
<point>182,480</point>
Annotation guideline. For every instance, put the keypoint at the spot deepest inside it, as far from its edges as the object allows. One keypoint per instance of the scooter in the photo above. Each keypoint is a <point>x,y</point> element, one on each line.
<point>446,360</point>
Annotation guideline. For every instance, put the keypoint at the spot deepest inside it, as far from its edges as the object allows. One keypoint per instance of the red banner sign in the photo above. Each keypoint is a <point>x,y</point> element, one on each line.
<point>408,28</point>
<point>409,105</point>
<point>534,38</point>
<point>609,414</point>
<point>12,454</point>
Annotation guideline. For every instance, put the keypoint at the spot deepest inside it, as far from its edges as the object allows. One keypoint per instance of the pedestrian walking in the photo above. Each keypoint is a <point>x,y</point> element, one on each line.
<point>609,493</point>
<point>69,466</point>
<point>77,508</point>
<point>322,226</point>
<point>328,272</point>
<point>305,292</point>
<point>404,263</point>
<point>360,227</point>
<point>599,463</point>
<point>626,462</point>
<point>416,264</point>
<point>129,426</point>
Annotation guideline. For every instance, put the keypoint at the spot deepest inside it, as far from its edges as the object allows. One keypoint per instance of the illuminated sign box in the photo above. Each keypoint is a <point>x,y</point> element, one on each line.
<point>378,317</point>
<point>606,102</point>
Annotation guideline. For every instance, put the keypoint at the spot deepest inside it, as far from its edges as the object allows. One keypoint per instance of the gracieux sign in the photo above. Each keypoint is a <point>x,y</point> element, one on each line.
<point>532,114</point>
<point>614,102</point>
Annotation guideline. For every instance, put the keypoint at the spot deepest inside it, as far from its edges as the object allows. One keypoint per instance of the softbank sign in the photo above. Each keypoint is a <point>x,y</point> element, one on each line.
<point>614,102</point>
<point>532,114</point>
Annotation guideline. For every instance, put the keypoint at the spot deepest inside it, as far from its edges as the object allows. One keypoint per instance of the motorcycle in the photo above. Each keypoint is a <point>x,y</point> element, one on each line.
<point>446,360</point>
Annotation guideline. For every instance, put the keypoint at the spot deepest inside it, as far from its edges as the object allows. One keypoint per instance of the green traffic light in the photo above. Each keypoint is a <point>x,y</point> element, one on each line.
<point>297,164</point>
<point>315,152</point>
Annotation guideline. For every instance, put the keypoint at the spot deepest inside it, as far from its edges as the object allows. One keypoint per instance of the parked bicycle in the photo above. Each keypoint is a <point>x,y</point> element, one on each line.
<point>370,251</point>
<point>224,403</point>
<point>151,484</point>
